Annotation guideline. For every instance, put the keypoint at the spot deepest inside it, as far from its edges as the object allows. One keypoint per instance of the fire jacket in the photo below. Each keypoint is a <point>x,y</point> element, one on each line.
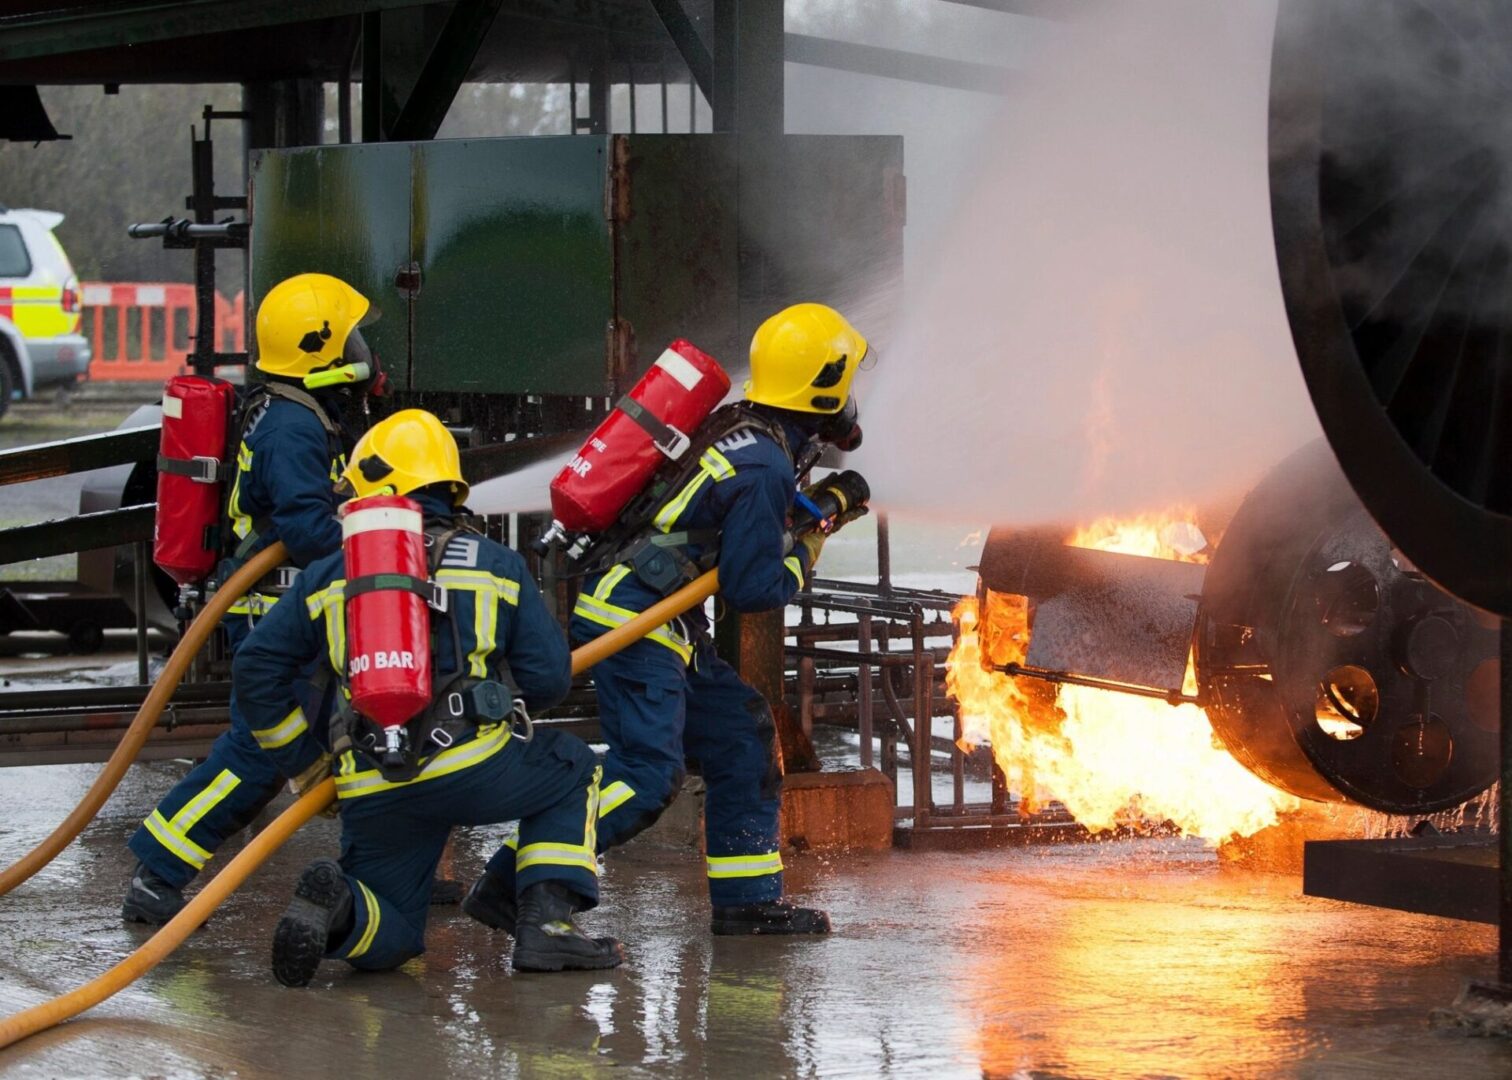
<point>498,612</point>
<point>744,489</point>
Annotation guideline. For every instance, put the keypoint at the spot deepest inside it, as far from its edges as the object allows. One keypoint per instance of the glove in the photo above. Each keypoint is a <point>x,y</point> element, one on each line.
<point>319,769</point>
<point>813,543</point>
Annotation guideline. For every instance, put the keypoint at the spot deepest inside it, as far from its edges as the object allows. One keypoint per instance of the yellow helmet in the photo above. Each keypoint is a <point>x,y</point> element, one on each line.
<point>409,450</point>
<point>804,358</point>
<point>304,323</point>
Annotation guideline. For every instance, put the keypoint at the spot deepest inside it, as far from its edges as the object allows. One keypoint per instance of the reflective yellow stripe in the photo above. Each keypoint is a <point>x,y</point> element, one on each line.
<point>330,601</point>
<point>507,590</point>
<point>254,604</point>
<point>351,784</point>
<point>737,866</point>
<point>241,524</point>
<point>487,590</point>
<point>607,583</point>
<point>174,834</point>
<point>795,567</point>
<point>513,843</point>
<point>713,465</point>
<point>374,917</point>
<point>283,733</point>
<point>609,615</point>
<point>590,816</point>
<point>181,846</point>
<point>614,796</point>
<point>575,855</point>
<point>207,800</point>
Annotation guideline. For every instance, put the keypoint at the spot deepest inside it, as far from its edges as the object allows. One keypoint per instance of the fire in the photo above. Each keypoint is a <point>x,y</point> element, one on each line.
<point>1111,759</point>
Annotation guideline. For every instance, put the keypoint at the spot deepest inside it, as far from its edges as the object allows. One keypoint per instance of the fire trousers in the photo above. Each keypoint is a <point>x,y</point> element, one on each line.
<point>392,835</point>
<point>657,711</point>
<point>224,793</point>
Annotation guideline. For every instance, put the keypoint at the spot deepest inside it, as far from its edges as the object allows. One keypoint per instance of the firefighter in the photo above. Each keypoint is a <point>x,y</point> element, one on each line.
<point>290,454</point>
<point>466,765</point>
<point>668,697</point>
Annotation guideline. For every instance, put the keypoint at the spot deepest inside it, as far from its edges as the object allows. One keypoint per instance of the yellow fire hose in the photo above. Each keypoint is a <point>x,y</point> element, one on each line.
<point>146,718</point>
<point>172,935</point>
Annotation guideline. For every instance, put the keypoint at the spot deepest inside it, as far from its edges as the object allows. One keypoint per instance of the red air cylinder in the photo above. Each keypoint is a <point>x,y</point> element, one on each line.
<point>671,400</point>
<point>387,624</point>
<point>191,467</point>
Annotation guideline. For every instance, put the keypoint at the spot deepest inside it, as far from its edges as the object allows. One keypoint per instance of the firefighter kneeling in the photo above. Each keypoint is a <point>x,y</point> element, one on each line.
<point>434,734</point>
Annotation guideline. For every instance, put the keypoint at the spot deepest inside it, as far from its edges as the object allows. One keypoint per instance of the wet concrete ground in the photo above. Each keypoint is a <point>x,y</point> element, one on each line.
<point>1110,960</point>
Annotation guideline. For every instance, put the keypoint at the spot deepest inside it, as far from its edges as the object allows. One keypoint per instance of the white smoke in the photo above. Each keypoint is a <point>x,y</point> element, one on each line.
<point>1102,328</point>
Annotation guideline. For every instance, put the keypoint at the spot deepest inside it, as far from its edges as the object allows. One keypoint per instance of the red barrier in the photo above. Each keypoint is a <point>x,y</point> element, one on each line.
<point>142,331</point>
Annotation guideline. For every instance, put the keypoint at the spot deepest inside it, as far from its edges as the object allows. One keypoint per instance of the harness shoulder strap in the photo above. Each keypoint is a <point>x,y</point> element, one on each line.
<point>305,398</point>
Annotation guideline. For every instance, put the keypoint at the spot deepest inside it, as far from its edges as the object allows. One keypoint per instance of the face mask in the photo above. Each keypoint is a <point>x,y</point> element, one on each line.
<point>841,429</point>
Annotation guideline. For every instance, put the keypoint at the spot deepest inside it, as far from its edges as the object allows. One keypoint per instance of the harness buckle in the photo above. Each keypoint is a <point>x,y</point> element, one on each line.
<point>437,599</point>
<point>205,470</point>
<point>441,737</point>
<point>521,727</point>
<point>456,706</point>
<point>676,444</point>
<point>284,577</point>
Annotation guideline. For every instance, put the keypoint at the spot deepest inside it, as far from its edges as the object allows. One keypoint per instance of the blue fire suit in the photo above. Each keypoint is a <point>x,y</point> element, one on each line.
<point>668,697</point>
<point>285,475</point>
<point>393,833</point>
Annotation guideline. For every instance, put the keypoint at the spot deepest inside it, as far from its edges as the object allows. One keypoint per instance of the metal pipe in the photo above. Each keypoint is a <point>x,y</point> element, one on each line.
<point>923,781</point>
<point>1170,697</point>
<point>1504,950</point>
<point>139,590</point>
<point>344,109</point>
<point>884,555</point>
<point>864,691</point>
<point>661,72</point>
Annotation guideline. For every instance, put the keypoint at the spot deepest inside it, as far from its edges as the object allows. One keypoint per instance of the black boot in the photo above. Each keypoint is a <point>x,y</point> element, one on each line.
<point>546,939</point>
<point>320,911</point>
<point>150,899</point>
<point>770,917</point>
<point>491,901</point>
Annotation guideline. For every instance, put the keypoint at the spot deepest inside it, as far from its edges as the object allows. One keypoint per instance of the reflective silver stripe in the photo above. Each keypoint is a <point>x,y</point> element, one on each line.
<point>738,866</point>
<point>556,855</point>
<point>614,796</point>
<point>283,733</point>
<point>180,845</point>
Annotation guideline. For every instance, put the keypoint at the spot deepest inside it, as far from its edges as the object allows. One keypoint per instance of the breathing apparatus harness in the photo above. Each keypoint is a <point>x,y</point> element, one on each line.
<point>661,560</point>
<point>254,403</point>
<point>460,703</point>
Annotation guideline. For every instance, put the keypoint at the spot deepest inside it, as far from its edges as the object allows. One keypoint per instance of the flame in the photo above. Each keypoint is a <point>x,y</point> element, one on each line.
<point>1111,759</point>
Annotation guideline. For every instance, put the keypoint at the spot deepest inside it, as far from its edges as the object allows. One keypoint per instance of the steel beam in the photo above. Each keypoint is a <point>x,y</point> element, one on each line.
<point>690,46</point>
<point>110,25</point>
<point>1058,10</point>
<point>896,64</point>
<point>445,70</point>
<point>106,529</point>
<point>79,454</point>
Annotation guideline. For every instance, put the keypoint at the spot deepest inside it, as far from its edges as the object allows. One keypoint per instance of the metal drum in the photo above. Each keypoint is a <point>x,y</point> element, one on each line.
<point>1330,666</point>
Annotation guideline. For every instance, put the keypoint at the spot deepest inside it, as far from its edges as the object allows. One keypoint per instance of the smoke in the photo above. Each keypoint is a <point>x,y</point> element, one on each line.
<point>1100,328</point>
<point>524,492</point>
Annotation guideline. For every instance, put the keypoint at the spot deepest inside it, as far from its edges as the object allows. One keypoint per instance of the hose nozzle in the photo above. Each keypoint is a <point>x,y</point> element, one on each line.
<point>834,500</point>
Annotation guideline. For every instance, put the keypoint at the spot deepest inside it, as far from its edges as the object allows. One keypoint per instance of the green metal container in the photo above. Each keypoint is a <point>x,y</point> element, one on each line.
<point>561,266</point>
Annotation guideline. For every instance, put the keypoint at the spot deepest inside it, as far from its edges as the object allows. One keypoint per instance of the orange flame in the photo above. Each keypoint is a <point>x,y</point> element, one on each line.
<point>1109,758</point>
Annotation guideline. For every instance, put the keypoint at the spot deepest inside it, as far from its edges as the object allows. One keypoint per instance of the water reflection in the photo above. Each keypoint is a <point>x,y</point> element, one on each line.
<point>1108,960</point>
